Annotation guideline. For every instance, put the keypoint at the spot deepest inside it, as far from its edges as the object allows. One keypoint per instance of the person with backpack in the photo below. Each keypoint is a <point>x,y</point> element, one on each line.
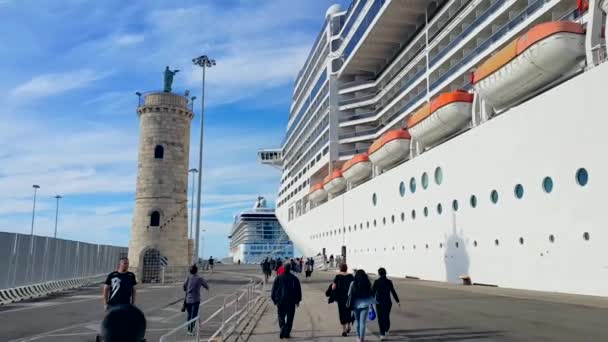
<point>286,294</point>
<point>340,287</point>
<point>360,301</point>
<point>382,290</point>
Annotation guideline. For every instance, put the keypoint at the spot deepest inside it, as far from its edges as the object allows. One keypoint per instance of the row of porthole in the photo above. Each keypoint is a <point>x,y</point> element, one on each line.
<point>424,180</point>
<point>586,237</point>
<point>582,178</point>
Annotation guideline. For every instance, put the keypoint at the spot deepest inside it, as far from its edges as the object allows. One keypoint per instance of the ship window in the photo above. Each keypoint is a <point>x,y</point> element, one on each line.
<point>475,243</point>
<point>551,238</point>
<point>367,224</point>
<point>582,177</point>
<point>155,219</point>
<point>425,180</point>
<point>392,218</point>
<point>455,205</point>
<point>413,185</point>
<point>349,229</point>
<point>440,245</point>
<point>521,240</point>
<point>374,222</point>
<point>496,242</point>
<point>402,189</point>
<point>439,208</point>
<point>548,184</point>
<point>456,244</point>
<point>159,152</point>
<point>374,199</point>
<point>360,225</point>
<point>438,175</point>
<point>384,221</point>
<point>414,246</point>
<point>426,211</point>
<point>519,191</point>
<point>402,216</point>
<point>494,196</point>
<point>586,236</point>
<point>403,248</point>
<point>426,246</point>
<point>473,201</point>
<point>413,214</point>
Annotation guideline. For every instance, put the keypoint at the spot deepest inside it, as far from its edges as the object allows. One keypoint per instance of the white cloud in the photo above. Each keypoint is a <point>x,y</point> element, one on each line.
<point>56,83</point>
<point>129,39</point>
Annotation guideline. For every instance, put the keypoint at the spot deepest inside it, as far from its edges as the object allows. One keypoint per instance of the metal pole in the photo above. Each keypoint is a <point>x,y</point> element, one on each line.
<point>36,187</point>
<point>56,215</point>
<point>200,174</point>
<point>193,171</point>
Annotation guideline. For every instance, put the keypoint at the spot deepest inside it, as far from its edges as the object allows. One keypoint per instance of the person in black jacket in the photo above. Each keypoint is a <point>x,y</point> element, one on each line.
<point>286,295</point>
<point>340,288</point>
<point>382,290</point>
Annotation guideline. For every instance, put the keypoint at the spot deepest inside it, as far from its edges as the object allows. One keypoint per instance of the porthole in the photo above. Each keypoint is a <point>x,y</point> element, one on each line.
<point>374,222</point>
<point>403,248</point>
<point>456,244</point>
<point>392,218</point>
<point>496,242</point>
<point>367,224</point>
<point>582,177</point>
<point>394,248</point>
<point>455,205</point>
<point>402,216</point>
<point>414,246</point>
<point>494,196</point>
<point>473,201</point>
<point>548,184</point>
<point>440,245</point>
<point>402,189</point>
<point>519,191</point>
<point>384,221</point>
<point>426,212</point>
<point>413,185</point>
<point>521,240</point>
<point>427,246</point>
<point>438,175</point>
<point>439,208</point>
<point>425,180</point>
<point>551,238</point>
<point>349,229</point>
<point>361,225</point>
<point>374,199</point>
<point>475,243</point>
<point>413,214</point>
<point>586,236</point>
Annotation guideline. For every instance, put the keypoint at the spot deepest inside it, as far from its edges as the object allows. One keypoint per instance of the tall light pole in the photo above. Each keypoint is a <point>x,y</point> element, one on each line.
<point>204,62</point>
<point>36,187</point>
<point>56,214</point>
<point>193,171</point>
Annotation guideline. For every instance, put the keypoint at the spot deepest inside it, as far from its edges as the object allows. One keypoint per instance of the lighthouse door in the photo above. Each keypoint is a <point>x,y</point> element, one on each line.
<point>151,266</point>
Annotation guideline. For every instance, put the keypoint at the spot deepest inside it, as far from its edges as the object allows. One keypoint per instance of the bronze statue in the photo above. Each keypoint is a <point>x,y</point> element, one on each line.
<point>169,79</point>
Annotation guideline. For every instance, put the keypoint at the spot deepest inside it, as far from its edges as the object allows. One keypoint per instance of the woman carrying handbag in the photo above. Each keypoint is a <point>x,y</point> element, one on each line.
<point>360,300</point>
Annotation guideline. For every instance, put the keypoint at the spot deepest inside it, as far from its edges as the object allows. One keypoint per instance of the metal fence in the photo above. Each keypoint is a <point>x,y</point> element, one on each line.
<point>26,260</point>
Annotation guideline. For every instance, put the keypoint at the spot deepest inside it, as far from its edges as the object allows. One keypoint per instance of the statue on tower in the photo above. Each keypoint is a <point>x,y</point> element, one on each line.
<point>169,79</point>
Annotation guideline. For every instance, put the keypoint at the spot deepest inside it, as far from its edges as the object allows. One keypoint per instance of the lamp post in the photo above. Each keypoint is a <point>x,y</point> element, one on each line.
<point>204,62</point>
<point>36,187</point>
<point>138,98</point>
<point>192,101</point>
<point>56,214</point>
<point>193,171</point>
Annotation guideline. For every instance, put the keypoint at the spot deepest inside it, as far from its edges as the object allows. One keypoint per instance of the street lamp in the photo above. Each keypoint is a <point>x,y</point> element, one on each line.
<point>138,98</point>
<point>204,62</point>
<point>36,187</point>
<point>192,102</point>
<point>56,214</point>
<point>193,171</point>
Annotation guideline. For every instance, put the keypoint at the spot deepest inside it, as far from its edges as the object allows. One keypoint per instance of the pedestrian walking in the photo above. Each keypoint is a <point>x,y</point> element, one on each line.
<point>382,290</point>
<point>119,288</point>
<point>340,287</point>
<point>286,295</point>
<point>192,287</point>
<point>266,269</point>
<point>211,262</point>
<point>359,300</point>
<point>308,268</point>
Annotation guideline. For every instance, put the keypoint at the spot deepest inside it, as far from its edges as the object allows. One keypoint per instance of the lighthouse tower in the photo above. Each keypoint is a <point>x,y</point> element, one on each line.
<point>159,244</point>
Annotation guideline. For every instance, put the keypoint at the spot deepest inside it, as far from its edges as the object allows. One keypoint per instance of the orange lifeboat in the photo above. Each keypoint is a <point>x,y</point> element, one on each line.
<point>317,193</point>
<point>392,147</point>
<point>335,182</point>
<point>357,168</point>
<point>442,117</point>
<point>539,57</point>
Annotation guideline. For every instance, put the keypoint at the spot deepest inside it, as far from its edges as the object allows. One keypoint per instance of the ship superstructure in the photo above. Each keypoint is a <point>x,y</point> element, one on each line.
<point>449,139</point>
<point>257,234</point>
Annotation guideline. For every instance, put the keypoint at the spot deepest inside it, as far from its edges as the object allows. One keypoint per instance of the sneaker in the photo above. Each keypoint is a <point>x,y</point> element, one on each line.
<point>344,334</point>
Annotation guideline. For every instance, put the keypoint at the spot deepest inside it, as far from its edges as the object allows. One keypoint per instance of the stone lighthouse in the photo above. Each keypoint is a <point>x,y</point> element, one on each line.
<point>159,245</point>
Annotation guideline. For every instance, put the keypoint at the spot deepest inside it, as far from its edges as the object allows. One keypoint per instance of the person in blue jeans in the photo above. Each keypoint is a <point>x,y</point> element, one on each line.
<point>359,299</point>
<point>192,287</point>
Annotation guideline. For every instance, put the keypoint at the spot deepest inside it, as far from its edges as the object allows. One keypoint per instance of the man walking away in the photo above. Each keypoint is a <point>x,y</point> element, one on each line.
<point>266,270</point>
<point>192,287</point>
<point>119,287</point>
<point>286,295</point>
<point>382,290</point>
<point>211,264</point>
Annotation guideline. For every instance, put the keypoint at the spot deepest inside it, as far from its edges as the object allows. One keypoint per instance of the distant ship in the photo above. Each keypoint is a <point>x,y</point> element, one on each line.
<point>450,140</point>
<point>257,234</point>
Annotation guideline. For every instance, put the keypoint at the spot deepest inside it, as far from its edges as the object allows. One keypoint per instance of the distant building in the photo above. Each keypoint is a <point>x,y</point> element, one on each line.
<point>257,234</point>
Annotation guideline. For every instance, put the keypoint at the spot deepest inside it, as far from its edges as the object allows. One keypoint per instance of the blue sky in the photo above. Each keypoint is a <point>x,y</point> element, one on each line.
<point>69,72</point>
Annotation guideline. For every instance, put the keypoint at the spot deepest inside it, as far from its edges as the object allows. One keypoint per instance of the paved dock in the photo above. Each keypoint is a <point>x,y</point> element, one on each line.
<point>433,311</point>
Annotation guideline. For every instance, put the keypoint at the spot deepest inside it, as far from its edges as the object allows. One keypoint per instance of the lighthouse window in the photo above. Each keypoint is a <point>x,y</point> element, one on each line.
<point>402,189</point>
<point>582,177</point>
<point>425,180</point>
<point>548,184</point>
<point>438,175</point>
<point>519,191</point>
<point>155,219</point>
<point>413,185</point>
<point>159,152</point>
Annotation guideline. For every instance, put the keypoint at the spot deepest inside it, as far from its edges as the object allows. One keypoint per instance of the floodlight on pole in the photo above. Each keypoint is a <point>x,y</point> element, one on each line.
<point>204,62</point>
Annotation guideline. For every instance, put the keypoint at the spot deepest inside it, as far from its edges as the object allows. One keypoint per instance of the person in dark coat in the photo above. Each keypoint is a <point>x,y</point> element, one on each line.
<point>340,296</point>
<point>382,290</point>
<point>286,295</point>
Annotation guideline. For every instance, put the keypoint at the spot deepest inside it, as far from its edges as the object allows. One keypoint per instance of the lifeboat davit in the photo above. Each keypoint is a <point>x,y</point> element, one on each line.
<point>440,118</point>
<point>392,147</point>
<point>357,168</point>
<point>542,55</point>
<point>317,193</point>
<point>335,182</point>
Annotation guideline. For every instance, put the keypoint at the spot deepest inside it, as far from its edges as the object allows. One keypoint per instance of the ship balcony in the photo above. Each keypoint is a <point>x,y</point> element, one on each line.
<point>272,157</point>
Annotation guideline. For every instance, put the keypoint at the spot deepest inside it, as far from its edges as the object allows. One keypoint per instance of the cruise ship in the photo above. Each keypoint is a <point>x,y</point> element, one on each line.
<point>257,234</point>
<point>453,140</point>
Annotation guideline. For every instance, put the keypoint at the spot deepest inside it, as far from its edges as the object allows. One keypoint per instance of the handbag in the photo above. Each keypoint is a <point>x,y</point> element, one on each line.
<point>330,295</point>
<point>372,313</point>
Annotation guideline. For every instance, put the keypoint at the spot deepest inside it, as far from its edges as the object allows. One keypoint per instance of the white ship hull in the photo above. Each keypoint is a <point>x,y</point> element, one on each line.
<point>551,135</point>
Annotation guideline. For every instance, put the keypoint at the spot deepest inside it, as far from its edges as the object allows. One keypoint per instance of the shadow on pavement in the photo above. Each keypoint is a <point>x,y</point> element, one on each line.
<point>442,334</point>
